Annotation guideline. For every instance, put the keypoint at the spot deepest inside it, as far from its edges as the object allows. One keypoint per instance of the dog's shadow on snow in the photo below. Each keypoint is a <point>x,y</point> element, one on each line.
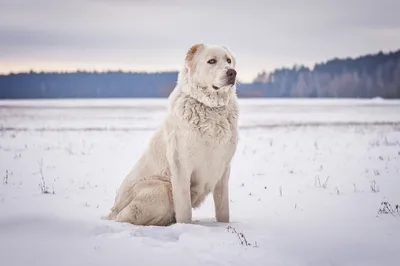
<point>211,223</point>
<point>172,233</point>
<point>178,232</point>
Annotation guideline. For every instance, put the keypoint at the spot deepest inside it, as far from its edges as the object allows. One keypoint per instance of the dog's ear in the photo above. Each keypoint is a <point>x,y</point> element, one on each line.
<point>191,53</point>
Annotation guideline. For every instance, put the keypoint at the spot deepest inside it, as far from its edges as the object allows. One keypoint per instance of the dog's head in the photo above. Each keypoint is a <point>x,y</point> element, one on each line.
<point>209,74</point>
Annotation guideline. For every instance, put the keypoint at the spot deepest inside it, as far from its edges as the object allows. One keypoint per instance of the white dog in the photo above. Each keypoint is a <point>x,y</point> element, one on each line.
<point>189,156</point>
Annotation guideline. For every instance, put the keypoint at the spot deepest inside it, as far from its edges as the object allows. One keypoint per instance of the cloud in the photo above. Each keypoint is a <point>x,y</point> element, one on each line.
<point>264,34</point>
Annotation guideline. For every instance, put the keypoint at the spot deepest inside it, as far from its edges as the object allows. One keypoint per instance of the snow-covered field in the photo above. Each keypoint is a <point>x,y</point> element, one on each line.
<point>308,180</point>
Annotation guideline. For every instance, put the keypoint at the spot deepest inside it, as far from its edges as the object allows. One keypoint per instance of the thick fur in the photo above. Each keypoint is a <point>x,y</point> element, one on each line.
<point>190,155</point>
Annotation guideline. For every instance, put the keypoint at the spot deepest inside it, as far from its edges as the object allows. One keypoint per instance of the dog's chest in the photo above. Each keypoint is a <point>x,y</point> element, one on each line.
<point>212,126</point>
<point>214,139</point>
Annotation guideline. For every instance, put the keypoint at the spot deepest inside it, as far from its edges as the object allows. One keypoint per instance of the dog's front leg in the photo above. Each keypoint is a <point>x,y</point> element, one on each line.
<point>221,197</point>
<point>181,171</point>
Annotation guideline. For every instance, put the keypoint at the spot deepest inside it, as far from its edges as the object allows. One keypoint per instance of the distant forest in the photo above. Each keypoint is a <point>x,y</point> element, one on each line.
<point>369,76</point>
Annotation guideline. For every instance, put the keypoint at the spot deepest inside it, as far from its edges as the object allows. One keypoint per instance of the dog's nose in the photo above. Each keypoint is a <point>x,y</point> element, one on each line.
<point>231,73</point>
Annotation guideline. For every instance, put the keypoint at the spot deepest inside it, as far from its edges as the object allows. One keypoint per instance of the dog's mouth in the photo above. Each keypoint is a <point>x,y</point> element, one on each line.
<point>227,85</point>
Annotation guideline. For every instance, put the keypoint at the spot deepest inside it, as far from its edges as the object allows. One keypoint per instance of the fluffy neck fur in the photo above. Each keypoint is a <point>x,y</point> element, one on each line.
<point>209,98</point>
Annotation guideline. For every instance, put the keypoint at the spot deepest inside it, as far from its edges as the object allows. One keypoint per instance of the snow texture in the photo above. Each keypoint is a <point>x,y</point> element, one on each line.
<point>312,184</point>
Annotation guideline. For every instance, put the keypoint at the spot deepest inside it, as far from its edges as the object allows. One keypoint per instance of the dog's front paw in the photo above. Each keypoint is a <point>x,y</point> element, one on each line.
<point>222,218</point>
<point>184,219</point>
<point>183,211</point>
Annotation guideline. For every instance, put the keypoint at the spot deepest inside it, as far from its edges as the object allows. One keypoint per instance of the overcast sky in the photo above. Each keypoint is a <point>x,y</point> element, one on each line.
<point>154,35</point>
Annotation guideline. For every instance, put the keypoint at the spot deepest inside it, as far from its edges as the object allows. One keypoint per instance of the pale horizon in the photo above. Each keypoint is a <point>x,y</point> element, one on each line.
<point>153,36</point>
<point>246,77</point>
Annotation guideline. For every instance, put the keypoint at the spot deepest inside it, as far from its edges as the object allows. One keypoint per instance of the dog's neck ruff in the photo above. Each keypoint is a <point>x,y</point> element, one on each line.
<point>210,98</point>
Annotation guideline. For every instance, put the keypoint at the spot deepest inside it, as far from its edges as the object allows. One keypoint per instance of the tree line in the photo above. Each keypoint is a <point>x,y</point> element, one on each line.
<point>368,76</point>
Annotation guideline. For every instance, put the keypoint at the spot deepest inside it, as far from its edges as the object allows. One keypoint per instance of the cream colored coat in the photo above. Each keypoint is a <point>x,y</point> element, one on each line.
<point>189,156</point>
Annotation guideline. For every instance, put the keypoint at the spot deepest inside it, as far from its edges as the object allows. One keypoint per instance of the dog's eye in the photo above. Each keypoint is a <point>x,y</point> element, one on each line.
<point>212,61</point>
<point>229,60</point>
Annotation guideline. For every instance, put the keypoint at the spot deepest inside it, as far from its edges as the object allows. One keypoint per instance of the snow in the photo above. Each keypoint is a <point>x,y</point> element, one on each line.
<point>308,179</point>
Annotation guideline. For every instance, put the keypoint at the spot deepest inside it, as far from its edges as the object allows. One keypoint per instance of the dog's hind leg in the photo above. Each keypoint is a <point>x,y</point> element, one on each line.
<point>152,205</point>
